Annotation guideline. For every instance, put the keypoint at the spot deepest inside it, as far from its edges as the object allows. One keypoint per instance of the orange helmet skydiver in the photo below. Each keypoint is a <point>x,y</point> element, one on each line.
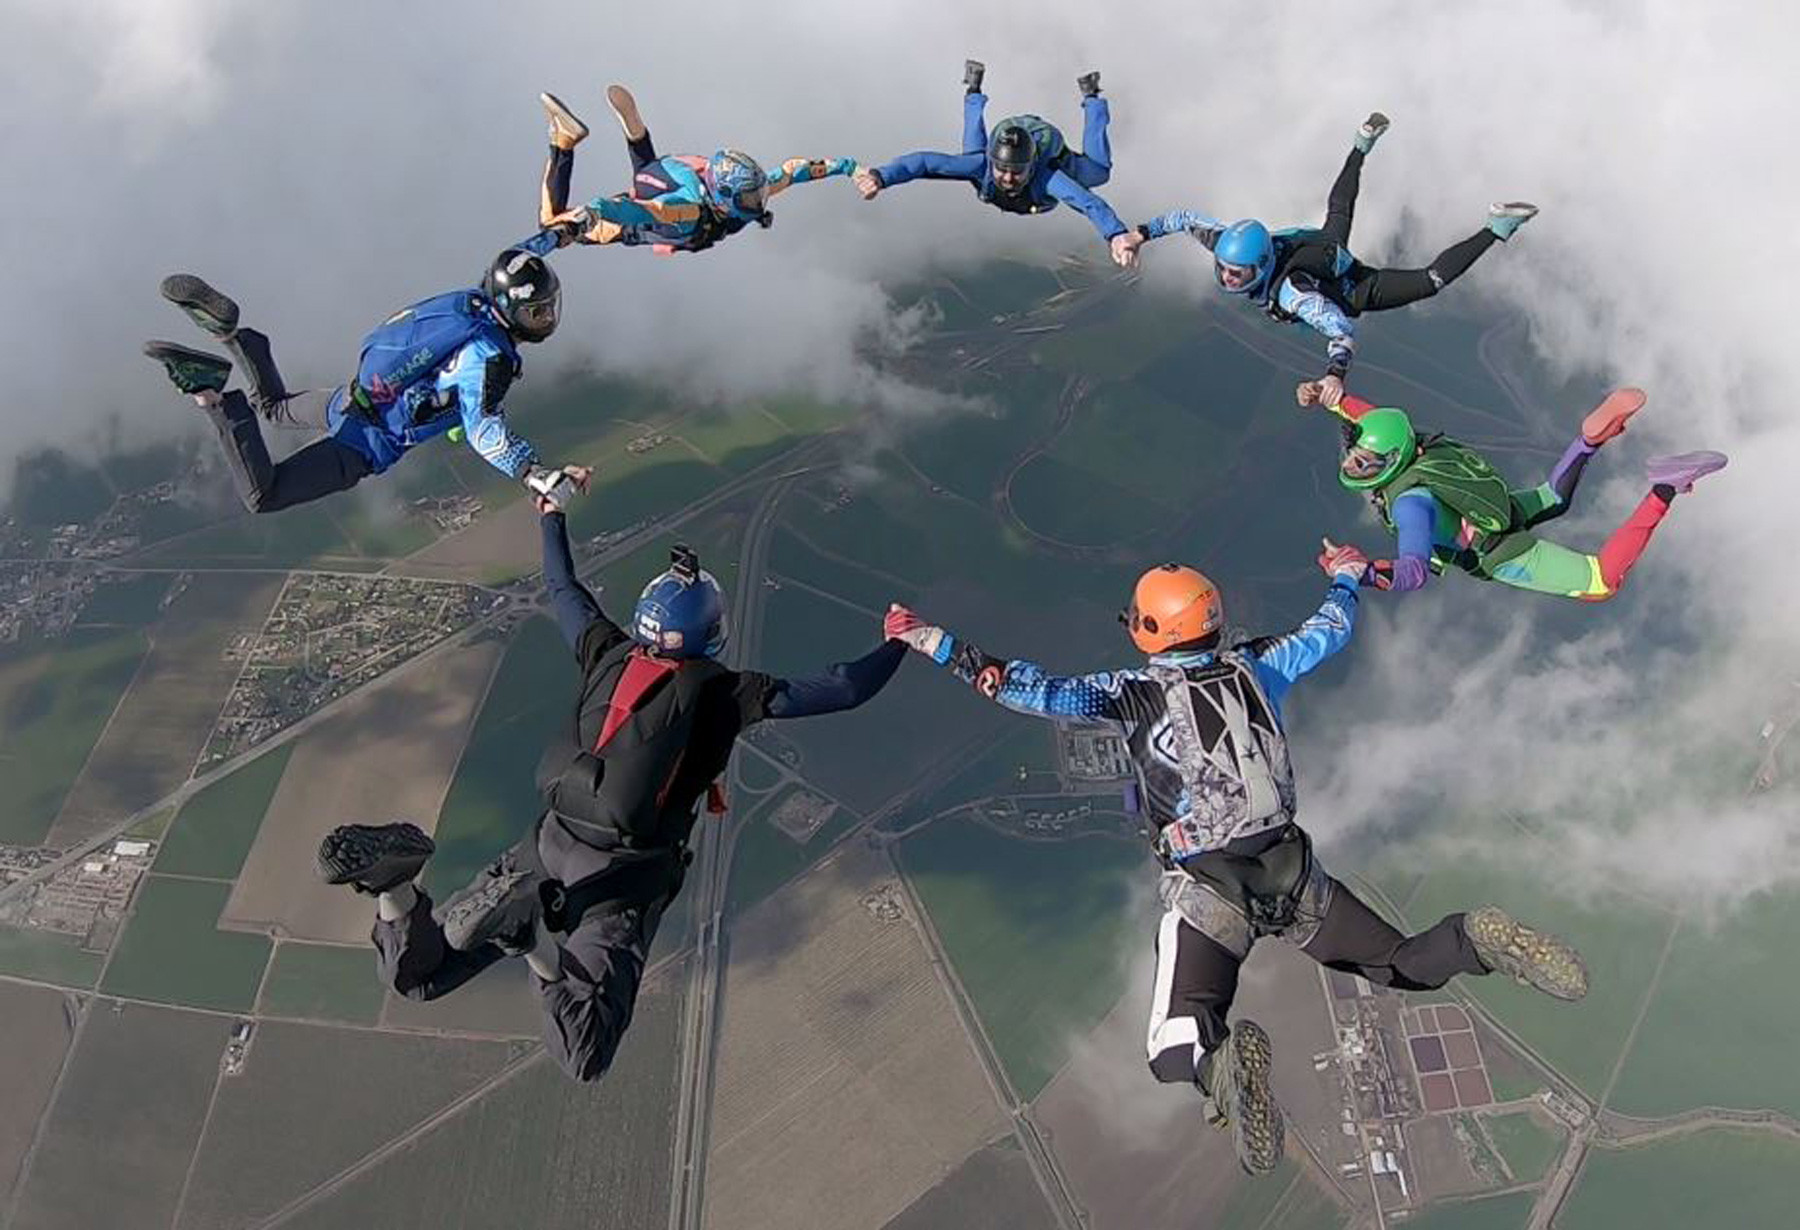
<point>1172,606</point>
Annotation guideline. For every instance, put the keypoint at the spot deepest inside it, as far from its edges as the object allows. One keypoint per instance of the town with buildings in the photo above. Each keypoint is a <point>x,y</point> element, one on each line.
<point>87,899</point>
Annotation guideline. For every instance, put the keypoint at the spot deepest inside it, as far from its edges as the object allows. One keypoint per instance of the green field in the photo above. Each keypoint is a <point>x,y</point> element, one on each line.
<point>1716,1178</point>
<point>1494,1213</point>
<point>1741,961</point>
<point>539,1150</point>
<point>493,799</point>
<point>993,1189</point>
<point>764,858</point>
<point>130,601</point>
<point>48,956</point>
<point>1527,1145</point>
<point>312,1101</point>
<point>1036,930</point>
<point>53,705</point>
<point>116,1146</point>
<point>1620,940</point>
<point>322,982</point>
<point>173,952</point>
<point>214,830</point>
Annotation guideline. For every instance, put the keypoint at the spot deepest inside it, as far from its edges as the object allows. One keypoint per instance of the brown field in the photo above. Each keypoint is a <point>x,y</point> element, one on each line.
<point>313,1100</point>
<point>125,1122</point>
<point>390,753</point>
<point>500,542</point>
<point>1138,1153</point>
<point>993,1190</point>
<point>846,1088</point>
<point>39,1024</point>
<point>500,1003</point>
<point>157,733</point>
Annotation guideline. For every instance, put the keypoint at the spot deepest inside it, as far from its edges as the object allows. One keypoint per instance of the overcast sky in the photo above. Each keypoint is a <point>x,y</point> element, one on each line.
<point>326,162</point>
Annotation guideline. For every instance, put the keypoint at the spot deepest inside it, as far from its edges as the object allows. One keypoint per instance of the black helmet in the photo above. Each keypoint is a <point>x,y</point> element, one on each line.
<point>526,292</point>
<point>1012,148</point>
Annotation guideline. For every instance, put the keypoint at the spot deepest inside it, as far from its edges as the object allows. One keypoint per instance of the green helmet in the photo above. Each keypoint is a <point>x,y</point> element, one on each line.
<point>1389,432</point>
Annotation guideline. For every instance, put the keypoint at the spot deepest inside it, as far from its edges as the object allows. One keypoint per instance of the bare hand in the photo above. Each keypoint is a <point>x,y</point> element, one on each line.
<point>866,183</point>
<point>1125,249</point>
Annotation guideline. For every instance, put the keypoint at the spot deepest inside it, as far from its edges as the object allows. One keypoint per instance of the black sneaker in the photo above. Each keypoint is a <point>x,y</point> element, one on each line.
<point>1240,1100</point>
<point>191,371</point>
<point>972,73</point>
<point>503,906</point>
<point>373,858</point>
<point>1089,84</point>
<point>206,307</point>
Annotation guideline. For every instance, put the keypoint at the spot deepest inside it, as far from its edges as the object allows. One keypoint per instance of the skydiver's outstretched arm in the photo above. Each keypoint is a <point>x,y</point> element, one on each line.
<point>1329,320</point>
<point>1024,687</point>
<point>1281,660</point>
<point>845,686</point>
<point>1063,187</point>
<point>805,171</point>
<point>479,378</point>
<point>1201,226</point>
<point>618,219</point>
<point>926,164</point>
<point>574,605</point>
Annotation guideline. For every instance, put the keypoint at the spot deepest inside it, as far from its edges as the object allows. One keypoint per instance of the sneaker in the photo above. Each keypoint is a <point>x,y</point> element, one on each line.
<point>972,74</point>
<point>1371,131</point>
<point>1089,84</point>
<point>1683,470</point>
<point>566,129</point>
<point>1529,957</point>
<point>625,110</point>
<point>206,307</point>
<point>1508,216</point>
<point>373,858</point>
<point>1241,1100</point>
<point>1608,419</point>
<point>503,906</point>
<point>191,371</point>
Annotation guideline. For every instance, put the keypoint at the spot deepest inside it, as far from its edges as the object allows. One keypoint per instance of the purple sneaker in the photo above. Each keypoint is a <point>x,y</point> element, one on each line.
<point>1683,470</point>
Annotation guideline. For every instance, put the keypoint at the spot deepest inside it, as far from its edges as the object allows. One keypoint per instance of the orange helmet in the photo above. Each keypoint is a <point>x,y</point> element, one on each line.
<point>1171,606</point>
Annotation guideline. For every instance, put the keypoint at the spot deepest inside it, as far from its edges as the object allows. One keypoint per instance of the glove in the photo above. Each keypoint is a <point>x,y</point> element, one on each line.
<point>1381,573</point>
<point>904,626</point>
<point>553,488</point>
<point>1343,561</point>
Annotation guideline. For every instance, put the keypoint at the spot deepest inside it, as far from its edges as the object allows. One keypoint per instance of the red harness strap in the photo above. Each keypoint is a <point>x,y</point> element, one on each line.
<point>639,679</point>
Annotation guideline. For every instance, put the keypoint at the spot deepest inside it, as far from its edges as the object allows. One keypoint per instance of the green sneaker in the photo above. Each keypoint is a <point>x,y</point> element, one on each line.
<point>1508,216</point>
<point>206,307</point>
<point>1240,1100</point>
<point>1529,957</point>
<point>191,371</point>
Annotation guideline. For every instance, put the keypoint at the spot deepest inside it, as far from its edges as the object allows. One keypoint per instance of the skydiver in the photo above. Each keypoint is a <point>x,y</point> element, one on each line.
<point>1203,724</point>
<point>580,897</point>
<point>1448,507</point>
<point>441,366</point>
<point>1025,167</point>
<point>1308,275</point>
<point>677,202</point>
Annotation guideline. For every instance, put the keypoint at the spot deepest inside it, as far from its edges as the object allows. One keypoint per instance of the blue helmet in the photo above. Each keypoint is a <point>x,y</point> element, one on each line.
<point>681,614</point>
<point>738,184</point>
<point>1243,256</point>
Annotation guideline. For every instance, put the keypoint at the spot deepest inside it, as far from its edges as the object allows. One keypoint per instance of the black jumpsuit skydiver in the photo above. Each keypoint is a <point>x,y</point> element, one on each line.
<point>587,1010</point>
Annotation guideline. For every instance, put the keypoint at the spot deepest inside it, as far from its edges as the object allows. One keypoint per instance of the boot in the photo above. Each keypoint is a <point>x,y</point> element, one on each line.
<point>1683,469</point>
<point>1371,131</point>
<point>1089,84</point>
<point>1509,216</point>
<point>191,371</point>
<point>1608,419</point>
<point>625,109</point>
<point>1235,1079</point>
<point>373,858</point>
<point>1529,957</point>
<point>566,129</point>
<point>504,906</point>
<point>972,73</point>
<point>206,307</point>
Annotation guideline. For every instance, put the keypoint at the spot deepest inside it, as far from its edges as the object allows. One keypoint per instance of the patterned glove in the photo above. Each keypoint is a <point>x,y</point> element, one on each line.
<point>1343,561</point>
<point>928,639</point>
<point>551,486</point>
